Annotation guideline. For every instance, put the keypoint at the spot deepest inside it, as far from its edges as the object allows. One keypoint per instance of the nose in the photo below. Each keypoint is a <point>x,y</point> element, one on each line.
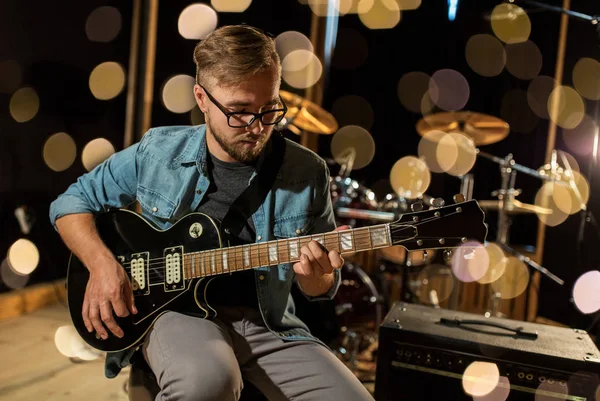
<point>256,127</point>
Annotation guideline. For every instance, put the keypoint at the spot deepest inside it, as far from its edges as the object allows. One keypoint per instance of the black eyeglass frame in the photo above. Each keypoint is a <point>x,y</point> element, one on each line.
<point>229,114</point>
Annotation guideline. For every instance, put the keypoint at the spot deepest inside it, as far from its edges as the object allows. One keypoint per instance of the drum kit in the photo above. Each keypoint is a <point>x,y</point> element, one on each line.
<point>424,277</point>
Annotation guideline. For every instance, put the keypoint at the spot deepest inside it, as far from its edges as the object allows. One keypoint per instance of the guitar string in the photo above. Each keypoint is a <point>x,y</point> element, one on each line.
<point>219,266</point>
<point>212,254</point>
<point>395,228</point>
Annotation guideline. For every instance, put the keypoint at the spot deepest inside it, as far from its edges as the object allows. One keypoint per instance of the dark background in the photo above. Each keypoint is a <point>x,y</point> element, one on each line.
<point>48,40</point>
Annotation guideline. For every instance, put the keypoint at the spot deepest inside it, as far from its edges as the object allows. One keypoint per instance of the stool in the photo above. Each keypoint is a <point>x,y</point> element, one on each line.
<point>142,385</point>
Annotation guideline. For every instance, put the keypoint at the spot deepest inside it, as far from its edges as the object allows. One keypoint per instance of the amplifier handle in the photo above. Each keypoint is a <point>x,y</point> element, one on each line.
<point>519,331</point>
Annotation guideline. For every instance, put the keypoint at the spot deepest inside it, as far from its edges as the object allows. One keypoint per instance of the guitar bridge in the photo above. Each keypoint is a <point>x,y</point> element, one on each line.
<point>140,273</point>
<point>174,279</point>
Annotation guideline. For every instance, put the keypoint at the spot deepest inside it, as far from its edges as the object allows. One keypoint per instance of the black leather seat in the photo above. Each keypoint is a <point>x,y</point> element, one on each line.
<point>142,385</point>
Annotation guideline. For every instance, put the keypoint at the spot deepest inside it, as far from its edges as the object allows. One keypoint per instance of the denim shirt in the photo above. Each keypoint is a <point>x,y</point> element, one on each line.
<point>166,173</point>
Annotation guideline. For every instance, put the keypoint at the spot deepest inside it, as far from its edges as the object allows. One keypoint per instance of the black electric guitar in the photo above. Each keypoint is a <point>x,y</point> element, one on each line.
<point>172,267</point>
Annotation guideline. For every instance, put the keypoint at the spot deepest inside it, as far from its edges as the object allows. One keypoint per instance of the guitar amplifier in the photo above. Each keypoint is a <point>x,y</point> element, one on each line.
<point>438,354</point>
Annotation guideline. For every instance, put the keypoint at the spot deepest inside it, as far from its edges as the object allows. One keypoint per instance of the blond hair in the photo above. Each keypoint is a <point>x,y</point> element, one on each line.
<point>232,53</point>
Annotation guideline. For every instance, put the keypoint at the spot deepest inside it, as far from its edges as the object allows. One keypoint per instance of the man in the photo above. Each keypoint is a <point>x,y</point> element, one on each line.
<point>174,171</point>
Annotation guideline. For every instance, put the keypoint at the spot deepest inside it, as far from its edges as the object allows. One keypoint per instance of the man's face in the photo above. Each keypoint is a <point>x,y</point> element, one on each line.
<point>255,94</point>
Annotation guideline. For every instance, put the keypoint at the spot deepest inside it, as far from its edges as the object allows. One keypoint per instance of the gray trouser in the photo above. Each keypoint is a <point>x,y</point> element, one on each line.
<point>198,359</point>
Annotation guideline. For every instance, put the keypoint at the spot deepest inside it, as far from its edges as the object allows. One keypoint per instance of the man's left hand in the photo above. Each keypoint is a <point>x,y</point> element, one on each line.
<point>315,268</point>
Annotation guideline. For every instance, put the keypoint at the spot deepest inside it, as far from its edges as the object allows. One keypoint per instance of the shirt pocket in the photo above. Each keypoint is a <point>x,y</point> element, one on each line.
<point>293,226</point>
<point>155,204</point>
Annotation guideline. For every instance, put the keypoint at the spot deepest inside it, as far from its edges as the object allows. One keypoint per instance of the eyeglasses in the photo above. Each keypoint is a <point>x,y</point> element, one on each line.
<point>244,119</point>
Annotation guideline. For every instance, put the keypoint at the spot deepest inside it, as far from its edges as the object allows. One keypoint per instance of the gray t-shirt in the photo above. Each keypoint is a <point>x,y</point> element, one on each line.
<point>228,181</point>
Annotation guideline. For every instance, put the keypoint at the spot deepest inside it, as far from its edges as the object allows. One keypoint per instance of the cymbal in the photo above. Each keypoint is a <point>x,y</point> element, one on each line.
<point>306,115</point>
<point>483,129</point>
<point>514,207</point>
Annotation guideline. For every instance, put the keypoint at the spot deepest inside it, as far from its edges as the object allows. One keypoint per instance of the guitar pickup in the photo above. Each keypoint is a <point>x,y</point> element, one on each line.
<point>174,279</point>
<point>140,273</point>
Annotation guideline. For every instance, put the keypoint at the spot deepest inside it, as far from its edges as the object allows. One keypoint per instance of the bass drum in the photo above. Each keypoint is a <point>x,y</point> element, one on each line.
<point>358,304</point>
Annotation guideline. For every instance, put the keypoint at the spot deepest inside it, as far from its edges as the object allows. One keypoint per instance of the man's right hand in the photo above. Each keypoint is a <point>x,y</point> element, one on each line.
<point>108,289</point>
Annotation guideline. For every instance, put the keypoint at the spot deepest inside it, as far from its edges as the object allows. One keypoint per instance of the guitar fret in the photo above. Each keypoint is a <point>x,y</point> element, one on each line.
<point>225,261</point>
<point>247,261</point>
<point>293,249</point>
<point>273,255</point>
<point>346,240</point>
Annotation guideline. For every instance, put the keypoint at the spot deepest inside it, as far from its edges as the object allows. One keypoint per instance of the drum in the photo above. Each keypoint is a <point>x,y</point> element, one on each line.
<point>348,193</point>
<point>357,302</point>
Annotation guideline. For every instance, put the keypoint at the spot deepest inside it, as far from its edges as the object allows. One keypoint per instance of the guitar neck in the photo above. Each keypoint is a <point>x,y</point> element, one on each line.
<point>245,257</point>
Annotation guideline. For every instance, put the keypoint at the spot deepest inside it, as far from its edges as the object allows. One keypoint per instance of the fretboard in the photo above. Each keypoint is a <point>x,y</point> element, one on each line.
<point>245,257</point>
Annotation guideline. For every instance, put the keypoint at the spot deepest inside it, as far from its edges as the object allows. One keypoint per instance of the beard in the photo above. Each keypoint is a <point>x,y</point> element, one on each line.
<point>237,148</point>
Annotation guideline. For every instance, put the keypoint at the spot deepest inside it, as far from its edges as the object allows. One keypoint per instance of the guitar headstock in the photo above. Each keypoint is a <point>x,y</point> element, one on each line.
<point>441,227</point>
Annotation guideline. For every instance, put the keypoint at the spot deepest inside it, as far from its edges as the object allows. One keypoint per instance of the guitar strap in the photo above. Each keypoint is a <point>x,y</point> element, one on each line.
<point>253,196</point>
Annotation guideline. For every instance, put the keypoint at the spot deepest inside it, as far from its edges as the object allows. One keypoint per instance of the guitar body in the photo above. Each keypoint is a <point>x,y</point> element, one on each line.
<point>128,235</point>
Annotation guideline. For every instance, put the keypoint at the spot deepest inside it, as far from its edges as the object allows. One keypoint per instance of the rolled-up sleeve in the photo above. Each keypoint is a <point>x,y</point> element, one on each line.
<point>325,222</point>
<point>111,184</point>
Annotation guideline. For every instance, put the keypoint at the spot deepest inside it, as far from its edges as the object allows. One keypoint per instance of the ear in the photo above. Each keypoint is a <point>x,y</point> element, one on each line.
<point>201,98</point>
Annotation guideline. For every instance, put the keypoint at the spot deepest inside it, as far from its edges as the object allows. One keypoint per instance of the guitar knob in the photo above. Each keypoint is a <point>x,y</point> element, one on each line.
<point>417,206</point>
<point>438,202</point>
<point>459,198</point>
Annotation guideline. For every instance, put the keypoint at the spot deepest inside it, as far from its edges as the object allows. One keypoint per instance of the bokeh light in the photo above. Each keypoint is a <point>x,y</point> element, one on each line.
<point>523,60</point>
<point>353,110</point>
<point>568,198</point>
<point>514,281</point>
<point>580,139</point>
<point>551,391</point>
<point>24,104</point>
<point>434,280</point>
<point>466,155</point>
<point>178,94</point>
<point>499,393</point>
<point>95,152</point>
<point>355,140</point>
<point>410,177</point>
<point>538,93</point>
<point>10,278</point>
<point>408,4</point>
<point>412,87</point>
<point>59,151</point>
<point>231,6</point>
<point>449,89</point>
<point>10,76</point>
<point>439,150</point>
<point>330,8</point>
<point>196,21</point>
<point>107,80</point>
<point>585,78</point>
<point>570,107</point>
<point>497,263</point>
<point>510,23</point>
<point>301,69</point>
<point>70,344</point>
<point>585,292</point>
<point>103,24</point>
<point>351,49</point>
<point>470,262</point>
<point>516,112</point>
<point>288,41</point>
<point>485,55</point>
<point>23,256</point>
<point>545,199</point>
<point>379,14</point>
<point>480,378</point>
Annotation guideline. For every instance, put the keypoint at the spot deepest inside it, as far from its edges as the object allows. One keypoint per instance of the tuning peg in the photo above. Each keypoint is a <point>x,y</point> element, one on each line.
<point>458,198</point>
<point>417,206</point>
<point>447,255</point>
<point>438,202</point>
